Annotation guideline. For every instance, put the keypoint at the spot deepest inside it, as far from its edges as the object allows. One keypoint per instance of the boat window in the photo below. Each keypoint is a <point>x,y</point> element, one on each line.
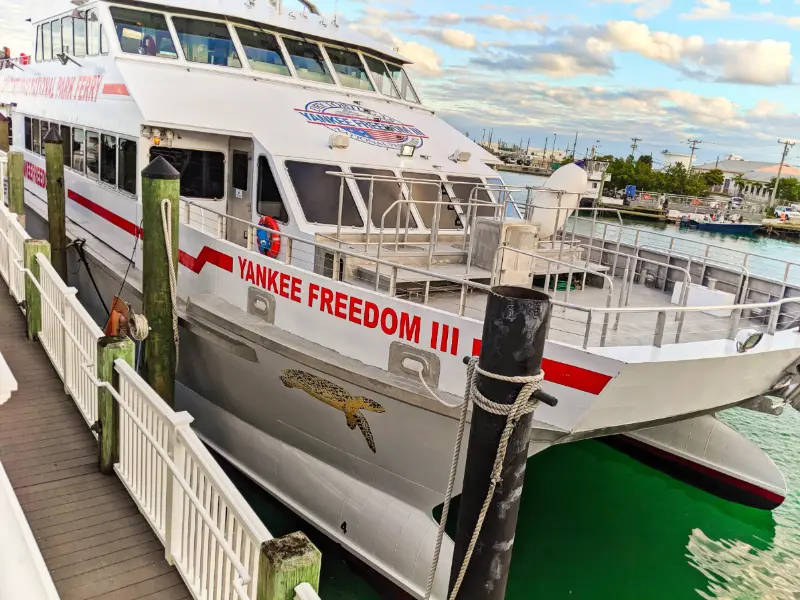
<point>270,202</point>
<point>202,172</point>
<point>66,34</point>
<point>318,194</point>
<point>307,60</point>
<point>502,194</point>
<point>79,27</point>
<point>350,71</point>
<point>463,188</point>
<point>103,40</point>
<point>47,42</point>
<point>28,136</point>
<point>92,154</point>
<point>206,42</point>
<point>403,83</point>
<point>382,77</point>
<point>93,33</point>
<point>108,159</point>
<point>141,32</point>
<point>127,165</point>
<point>239,170</point>
<point>35,139</point>
<point>263,51</point>
<point>423,193</point>
<point>66,144</point>
<point>39,44</point>
<point>79,150</point>
<point>57,43</point>
<point>44,128</point>
<point>384,194</point>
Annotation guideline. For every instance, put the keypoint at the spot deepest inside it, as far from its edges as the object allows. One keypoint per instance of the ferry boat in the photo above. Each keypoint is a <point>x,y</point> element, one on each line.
<point>337,244</point>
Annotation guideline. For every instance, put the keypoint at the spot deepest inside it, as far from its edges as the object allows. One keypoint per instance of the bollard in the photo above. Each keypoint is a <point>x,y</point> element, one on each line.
<point>284,564</point>
<point>33,300</point>
<point>4,122</point>
<point>160,181</point>
<point>109,349</point>
<point>514,332</point>
<point>56,200</point>
<point>16,185</point>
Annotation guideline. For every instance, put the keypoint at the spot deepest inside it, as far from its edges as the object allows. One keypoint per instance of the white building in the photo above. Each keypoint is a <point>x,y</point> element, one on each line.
<point>756,174</point>
<point>673,158</point>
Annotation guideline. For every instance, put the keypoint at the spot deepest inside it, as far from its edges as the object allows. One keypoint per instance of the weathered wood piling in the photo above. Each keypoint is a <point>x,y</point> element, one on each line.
<point>33,299</point>
<point>16,184</point>
<point>109,349</point>
<point>284,564</point>
<point>56,200</point>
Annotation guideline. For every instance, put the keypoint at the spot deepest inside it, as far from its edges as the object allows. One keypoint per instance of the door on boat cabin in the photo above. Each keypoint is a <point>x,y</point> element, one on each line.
<point>240,188</point>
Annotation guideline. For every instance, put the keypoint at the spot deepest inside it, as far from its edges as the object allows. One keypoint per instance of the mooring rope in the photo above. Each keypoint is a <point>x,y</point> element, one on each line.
<point>523,405</point>
<point>166,221</point>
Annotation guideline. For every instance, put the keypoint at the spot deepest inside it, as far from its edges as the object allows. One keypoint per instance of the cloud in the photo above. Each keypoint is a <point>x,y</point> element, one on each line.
<point>564,58</point>
<point>709,9</point>
<point>455,38</point>
<point>376,16</point>
<point>506,23</point>
<point>426,62</point>
<point>444,19</point>
<point>645,9</point>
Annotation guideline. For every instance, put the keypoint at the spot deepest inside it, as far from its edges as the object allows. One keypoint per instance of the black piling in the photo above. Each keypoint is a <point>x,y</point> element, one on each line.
<point>514,334</point>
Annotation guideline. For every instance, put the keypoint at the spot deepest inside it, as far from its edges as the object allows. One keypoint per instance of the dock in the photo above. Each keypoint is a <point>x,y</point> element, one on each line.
<point>108,492</point>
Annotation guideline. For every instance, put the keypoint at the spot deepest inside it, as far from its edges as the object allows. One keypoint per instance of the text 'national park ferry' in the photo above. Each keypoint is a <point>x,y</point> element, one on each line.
<point>337,244</point>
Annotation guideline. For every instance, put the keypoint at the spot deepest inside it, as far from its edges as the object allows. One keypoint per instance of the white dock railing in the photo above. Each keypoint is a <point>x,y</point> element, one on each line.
<point>209,532</point>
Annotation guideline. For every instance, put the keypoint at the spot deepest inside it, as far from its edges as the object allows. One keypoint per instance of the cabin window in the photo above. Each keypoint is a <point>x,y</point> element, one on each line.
<point>79,33</point>
<point>47,42</point>
<point>350,71</point>
<point>66,34</point>
<point>270,203</point>
<point>382,77</point>
<point>127,165</point>
<point>239,170</point>
<point>318,194</point>
<point>202,172</point>
<point>425,195</point>
<point>403,83</point>
<point>39,44</point>
<point>108,159</point>
<point>263,51</point>
<point>206,42</point>
<point>472,189</point>
<point>92,154</point>
<point>45,127</point>
<point>28,134</point>
<point>384,194</point>
<point>307,60</point>
<point>35,137</point>
<point>141,32</point>
<point>93,33</point>
<point>103,40</point>
<point>79,150</point>
<point>66,144</point>
<point>57,42</point>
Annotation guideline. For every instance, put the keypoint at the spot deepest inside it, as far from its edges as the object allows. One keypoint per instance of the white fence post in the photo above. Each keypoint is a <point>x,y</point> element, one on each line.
<point>174,495</point>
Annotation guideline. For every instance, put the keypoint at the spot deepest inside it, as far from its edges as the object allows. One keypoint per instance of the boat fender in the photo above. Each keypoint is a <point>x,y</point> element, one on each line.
<point>269,242</point>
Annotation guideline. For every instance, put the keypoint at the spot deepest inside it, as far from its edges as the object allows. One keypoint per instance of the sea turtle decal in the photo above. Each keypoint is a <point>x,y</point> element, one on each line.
<point>337,397</point>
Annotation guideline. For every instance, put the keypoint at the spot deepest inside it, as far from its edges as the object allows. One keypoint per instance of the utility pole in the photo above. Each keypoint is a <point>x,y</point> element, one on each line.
<point>555,137</point>
<point>786,145</point>
<point>694,144</point>
<point>635,141</point>
<point>574,145</point>
<point>544,152</point>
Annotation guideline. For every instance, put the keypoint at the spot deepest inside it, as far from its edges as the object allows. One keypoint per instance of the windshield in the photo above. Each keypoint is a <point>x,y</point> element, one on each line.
<point>403,83</point>
<point>263,51</point>
<point>349,69</point>
<point>308,61</point>
<point>206,42</point>
<point>144,33</point>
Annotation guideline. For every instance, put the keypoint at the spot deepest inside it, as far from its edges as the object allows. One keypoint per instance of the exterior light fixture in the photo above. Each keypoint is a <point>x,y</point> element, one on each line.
<point>170,136</point>
<point>460,156</point>
<point>407,150</point>
<point>147,133</point>
<point>747,339</point>
<point>338,140</point>
<point>156,137</point>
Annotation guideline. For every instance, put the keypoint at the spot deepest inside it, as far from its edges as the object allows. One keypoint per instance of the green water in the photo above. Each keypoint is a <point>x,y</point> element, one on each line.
<point>597,525</point>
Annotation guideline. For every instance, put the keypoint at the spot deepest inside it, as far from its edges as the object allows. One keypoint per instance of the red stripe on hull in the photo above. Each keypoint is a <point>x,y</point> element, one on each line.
<point>207,256</point>
<point>106,214</point>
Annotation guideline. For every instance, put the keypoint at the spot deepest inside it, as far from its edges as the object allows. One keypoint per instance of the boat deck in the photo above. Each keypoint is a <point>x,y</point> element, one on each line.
<point>94,540</point>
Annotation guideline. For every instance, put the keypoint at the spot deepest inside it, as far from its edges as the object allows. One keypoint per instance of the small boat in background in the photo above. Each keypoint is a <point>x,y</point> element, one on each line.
<point>707,223</point>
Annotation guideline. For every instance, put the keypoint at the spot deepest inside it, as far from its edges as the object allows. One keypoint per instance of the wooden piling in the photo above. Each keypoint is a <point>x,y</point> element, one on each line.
<point>4,123</point>
<point>160,181</point>
<point>33,299</point>
<point>56,200</point>
<point>284,564</point>
<point>16,184</point>
<point>109,349</point>
<point>514,332</point>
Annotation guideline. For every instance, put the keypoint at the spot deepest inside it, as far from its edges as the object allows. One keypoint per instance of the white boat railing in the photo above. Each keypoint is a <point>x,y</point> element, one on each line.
<point>210,533</point>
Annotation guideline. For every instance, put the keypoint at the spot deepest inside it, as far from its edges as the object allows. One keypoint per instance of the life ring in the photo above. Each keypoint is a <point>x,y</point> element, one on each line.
<point>645,197</point>
<point>695,202</point>
<point>269,242</point>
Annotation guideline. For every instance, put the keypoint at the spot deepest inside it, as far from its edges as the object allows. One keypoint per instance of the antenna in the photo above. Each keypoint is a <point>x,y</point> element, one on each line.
<point>335,13</point>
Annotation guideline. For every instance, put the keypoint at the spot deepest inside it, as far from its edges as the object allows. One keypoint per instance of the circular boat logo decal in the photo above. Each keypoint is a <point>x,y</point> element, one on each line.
<point>362,124</point>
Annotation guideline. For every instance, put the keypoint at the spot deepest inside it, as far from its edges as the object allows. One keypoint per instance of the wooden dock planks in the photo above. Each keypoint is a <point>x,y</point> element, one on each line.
<point>93,539</point>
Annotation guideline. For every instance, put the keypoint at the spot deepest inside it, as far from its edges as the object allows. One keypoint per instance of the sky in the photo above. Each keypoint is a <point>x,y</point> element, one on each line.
<point>665,71</point>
